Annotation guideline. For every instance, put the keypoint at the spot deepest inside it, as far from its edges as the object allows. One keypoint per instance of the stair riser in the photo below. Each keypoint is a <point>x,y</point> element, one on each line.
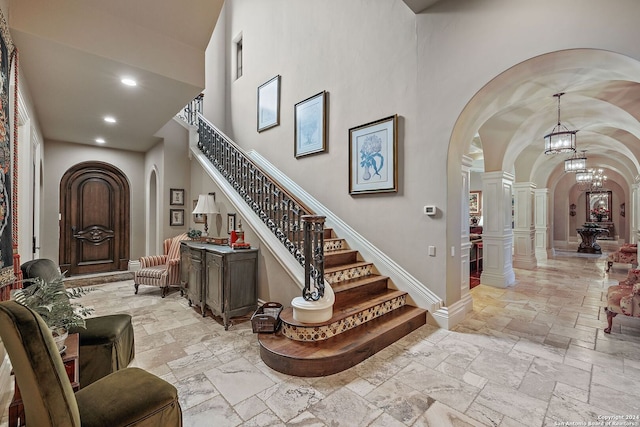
<point>348,273</point>
<point>323,332</point>
<point>334,245</point>
<point>361,292</point>
<point>334,260</point>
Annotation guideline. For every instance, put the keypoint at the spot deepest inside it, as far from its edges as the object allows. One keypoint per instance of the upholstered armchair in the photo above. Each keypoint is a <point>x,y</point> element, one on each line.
<point>161,270</point>
<point>623,298</point>
<point>626,254</point>
<point>127,397</point>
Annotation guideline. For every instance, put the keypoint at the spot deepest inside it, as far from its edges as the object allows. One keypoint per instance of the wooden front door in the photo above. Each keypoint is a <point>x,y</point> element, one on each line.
<point>94,224</point>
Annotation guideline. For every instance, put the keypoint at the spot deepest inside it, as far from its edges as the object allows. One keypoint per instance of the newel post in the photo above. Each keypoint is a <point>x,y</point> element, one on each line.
<point>313,257</point>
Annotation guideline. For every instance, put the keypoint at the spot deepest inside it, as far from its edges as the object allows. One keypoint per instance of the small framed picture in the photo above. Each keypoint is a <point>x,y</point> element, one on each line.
<point>475,202</point>
<point>176,197</point>
<point>373,157</point>
<point>269,104</point>
<point>198,218</point>
<point>176,217</point>
<point>231,222</point>
<point>310,125</point>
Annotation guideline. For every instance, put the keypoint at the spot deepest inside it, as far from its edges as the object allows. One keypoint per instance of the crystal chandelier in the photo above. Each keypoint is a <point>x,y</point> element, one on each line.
<point>591,179</point>
<point>576,163</point>
<point>561,139</point>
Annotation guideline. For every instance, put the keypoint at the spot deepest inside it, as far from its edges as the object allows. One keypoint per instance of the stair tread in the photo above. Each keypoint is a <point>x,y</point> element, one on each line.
<point>356,282</point>
<point>344,342</point>
<point>344,309</point>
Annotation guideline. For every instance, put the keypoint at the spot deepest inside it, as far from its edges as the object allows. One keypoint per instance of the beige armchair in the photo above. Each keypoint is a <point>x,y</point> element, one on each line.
<point>161,270</point>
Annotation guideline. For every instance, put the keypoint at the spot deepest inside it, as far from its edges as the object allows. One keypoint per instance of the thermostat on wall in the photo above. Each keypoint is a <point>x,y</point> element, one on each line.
<point>429,210</point>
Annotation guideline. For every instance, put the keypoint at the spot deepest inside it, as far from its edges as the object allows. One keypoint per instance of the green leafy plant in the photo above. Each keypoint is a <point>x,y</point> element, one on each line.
<point>52,301</point>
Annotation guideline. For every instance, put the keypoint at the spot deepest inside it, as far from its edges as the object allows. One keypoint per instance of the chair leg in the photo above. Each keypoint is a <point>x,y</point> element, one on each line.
<point>610,316</point>
<point>164,291</point>
<point>136,286</point>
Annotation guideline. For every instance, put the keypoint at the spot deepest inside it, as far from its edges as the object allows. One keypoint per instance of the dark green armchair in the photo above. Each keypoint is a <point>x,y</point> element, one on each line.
<point>128,397</point>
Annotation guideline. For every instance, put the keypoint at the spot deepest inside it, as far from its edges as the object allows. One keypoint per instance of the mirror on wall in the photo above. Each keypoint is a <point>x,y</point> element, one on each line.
<point>599,206</point>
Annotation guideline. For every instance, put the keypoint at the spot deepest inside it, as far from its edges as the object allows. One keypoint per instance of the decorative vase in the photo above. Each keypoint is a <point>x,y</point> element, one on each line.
<point>60,336</point>
<point>367,175</point>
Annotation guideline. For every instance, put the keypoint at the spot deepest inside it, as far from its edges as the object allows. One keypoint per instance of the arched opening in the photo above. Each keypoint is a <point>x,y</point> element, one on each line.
<point>153,241</point>
<point>511,114</point>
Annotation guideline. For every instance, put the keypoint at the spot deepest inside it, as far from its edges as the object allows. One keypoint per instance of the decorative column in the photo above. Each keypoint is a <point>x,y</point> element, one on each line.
<point>634,211</point>
<point>497,235</point>
<point>540,220</point>
<point>524,232</point>
<point>465,244</point>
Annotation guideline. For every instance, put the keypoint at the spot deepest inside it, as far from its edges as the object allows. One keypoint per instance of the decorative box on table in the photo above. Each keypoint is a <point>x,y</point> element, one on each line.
<point>215,240</point>
<point>266,319</point>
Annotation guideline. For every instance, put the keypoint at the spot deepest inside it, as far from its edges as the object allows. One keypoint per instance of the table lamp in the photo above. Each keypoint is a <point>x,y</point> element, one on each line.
<point>206,206</point>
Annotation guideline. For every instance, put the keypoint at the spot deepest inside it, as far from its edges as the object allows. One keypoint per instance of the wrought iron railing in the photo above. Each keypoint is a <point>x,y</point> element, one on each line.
<point>281,211</point>
<point>190,111</point>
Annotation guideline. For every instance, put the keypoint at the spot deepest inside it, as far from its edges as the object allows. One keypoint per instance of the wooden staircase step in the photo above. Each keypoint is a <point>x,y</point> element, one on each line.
<point>349,271</point>
<point>336,354</point>
<point>340,257</point>
<point>334,244</point>
<point>346,309</point>
<point>359,288</point>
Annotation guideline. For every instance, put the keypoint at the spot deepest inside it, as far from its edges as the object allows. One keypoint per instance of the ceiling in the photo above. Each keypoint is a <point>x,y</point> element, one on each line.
<point>73,53</point>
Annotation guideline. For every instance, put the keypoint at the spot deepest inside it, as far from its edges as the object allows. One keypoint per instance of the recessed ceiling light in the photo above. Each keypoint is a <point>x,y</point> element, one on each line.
<point>110,119</point>
<point>128,81</point>
<point>100,140</point>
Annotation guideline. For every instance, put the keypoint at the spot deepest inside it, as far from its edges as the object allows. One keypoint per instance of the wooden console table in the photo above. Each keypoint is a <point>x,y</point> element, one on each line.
<point>70,358</point>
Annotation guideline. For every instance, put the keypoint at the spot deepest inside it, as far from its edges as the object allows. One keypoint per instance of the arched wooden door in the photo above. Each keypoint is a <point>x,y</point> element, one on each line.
<point>94,224</point>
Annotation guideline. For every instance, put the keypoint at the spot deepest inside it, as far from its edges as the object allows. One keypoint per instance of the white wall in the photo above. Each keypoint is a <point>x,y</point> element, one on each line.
<point>383,60</point>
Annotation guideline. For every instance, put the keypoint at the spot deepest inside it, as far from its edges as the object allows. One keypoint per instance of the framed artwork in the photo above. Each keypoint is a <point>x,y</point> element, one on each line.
<point>475,202</point>
<point>310,125</point>
<point>197,218</point>
<point>269,104</point>
<point>373,157</point>
<point>176,197</point>
<point>231,223</point>
<point>176,217</point>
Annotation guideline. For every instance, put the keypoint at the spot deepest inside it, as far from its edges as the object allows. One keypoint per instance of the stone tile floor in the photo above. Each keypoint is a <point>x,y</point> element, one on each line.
<point>530,355</point>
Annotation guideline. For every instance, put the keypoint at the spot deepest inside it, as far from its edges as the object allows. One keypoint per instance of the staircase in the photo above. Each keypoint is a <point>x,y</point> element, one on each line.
<point>367,316</point>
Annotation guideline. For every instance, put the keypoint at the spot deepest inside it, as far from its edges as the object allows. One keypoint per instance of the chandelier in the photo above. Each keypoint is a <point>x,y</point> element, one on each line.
<point>561,139</point>
<point>591,179</point>
<point>576,163</point>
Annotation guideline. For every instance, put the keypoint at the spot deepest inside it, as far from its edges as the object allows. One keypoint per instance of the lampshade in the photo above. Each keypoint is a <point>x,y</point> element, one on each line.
<point>561,139</point>
<point>576,163</point>
<point>206,205</point>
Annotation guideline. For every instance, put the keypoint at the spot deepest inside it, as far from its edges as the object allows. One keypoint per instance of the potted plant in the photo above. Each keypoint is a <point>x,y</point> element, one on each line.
<point>52,301</point>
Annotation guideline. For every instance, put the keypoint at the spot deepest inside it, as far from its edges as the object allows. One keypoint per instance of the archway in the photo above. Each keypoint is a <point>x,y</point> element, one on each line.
<point>513,111</point>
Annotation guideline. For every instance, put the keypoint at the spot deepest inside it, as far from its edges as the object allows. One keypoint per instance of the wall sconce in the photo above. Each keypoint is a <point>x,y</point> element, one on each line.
<point>572,209</point>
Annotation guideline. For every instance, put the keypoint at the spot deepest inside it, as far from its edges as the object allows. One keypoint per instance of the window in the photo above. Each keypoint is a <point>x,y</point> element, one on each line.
<point>239,58</point>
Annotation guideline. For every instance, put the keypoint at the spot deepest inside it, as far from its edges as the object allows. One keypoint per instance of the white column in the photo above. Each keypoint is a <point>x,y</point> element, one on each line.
<point>634,211</point>
<point>524,232</point>
<point>541,218</point>
<point>497,235</point>
<point>465,244</point>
